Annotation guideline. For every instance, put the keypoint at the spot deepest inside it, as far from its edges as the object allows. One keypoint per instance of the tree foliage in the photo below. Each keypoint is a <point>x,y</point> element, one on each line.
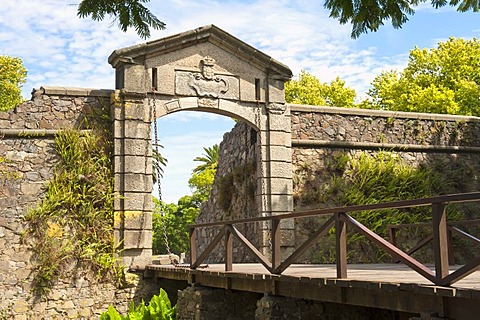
<point>12,76</point>
<point>209,159</point>
<point>369,15</point>
<point>445,79</point>
<point>308,89</point>
<point>201,180</point>
<point>175,218</point>
<point>128,13</point>
<point>158,163</point>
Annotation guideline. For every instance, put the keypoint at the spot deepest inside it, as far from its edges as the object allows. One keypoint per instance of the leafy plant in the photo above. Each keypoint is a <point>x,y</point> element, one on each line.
<point>128,13</point>
<point>308,89</point>
<point>376,178</point>
<point>175,218</point>
<point>445,79</point>
<point>159,308</point>
<point>74,222</point>
<point>12,76</point>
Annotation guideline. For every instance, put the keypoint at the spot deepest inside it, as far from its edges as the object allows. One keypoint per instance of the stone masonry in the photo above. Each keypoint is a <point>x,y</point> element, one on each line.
<point>205,69</point>
<point>27,144</point>
<point>447,144</point>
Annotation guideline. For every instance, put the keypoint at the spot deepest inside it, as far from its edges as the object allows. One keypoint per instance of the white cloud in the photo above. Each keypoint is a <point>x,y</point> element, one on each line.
<point>58,48</point>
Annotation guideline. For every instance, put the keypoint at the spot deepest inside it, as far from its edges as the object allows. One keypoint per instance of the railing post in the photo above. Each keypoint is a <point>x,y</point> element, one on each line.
<point>392,235</point>
<point>228,250</point>
<point>451,258</point>
<point>341,246</point>
<point>193,245</point>
<point>276,244</point>
<point>440,241</point>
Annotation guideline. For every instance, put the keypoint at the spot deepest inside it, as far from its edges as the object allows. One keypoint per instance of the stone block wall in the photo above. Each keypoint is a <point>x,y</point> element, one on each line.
<point>233,192</point>
<point>447,144</point>
<point>27,146</point>
<point>198,303</point>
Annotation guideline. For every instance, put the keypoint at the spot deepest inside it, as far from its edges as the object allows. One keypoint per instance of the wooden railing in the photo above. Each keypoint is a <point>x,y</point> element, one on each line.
<point>340,218</point>
<point>452,228</point>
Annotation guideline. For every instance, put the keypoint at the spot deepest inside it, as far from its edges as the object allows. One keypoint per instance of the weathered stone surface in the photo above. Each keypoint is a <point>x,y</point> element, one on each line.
<point>32,159</point>
<point>133,182</point>
<point>133,164</point>
<point>133,129</point>
<point>137,239</point>
<point>133,147</point>
<point>141,220</point>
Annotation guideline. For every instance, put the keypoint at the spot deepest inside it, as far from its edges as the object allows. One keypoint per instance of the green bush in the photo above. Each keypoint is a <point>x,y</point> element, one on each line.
<point>372,178</point>
<point>74,221</point>
<point>159,308</point>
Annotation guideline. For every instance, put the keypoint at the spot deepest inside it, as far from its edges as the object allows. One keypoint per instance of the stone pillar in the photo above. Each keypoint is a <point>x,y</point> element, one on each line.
<point>133,176</point>
<point>277,193</point>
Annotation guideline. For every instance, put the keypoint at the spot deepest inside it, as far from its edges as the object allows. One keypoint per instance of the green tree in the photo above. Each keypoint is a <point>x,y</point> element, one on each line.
<point>369,15</point>
<point>128,13</point>
<point>209,159</point>
<point>12,76</point>
<point>175,218</point>
<point>201,180</point>
<point>201,183</point>
<point>445,79</point>
<point>159,162</point>
<point>308,89</point>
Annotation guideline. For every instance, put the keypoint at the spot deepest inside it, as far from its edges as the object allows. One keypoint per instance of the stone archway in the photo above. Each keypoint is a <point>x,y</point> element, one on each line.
<point>207,70</point>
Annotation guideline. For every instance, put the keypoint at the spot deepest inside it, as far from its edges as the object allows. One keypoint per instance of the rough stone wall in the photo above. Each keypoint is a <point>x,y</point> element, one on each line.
<point>233,191</point>
<point>27,142</point>
<point>446,144</point>
<point>203,303</point>
<point>197,303</point>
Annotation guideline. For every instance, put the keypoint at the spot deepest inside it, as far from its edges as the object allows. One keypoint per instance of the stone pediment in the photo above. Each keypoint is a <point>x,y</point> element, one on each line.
<point>204,62</point>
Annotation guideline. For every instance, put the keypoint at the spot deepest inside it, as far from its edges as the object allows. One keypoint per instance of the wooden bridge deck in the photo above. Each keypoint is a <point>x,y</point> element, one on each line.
<point>388,286</point>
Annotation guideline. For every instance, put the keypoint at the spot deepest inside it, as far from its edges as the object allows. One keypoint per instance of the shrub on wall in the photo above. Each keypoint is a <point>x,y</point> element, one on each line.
<point>373,178</point>
<point>74,222</point>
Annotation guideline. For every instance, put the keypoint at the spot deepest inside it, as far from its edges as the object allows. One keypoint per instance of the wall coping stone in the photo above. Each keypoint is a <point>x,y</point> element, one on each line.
<point>74,91</point>
<point>381,113</point>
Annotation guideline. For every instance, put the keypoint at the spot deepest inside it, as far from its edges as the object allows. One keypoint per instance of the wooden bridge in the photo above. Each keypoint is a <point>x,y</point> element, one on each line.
<point>436,290</point>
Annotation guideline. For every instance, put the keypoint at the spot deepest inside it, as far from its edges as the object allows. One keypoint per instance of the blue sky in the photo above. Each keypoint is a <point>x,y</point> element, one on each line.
<point>60,49</point>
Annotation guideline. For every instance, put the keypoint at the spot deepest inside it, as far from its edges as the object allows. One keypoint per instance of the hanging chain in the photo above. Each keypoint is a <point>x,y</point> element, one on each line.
<point>158,175</point>
<point>264,207</point>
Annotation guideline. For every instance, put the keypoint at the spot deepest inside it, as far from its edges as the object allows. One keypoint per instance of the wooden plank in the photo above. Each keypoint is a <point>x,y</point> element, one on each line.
<point>260,257</point>
<point>462,272</point>
<point>228,250</point>
<point>341,246</point>
<point>418,246</point>
<point>440,241</point>
<point>305,246</point>
<point>276,243</point>
<point>464,234</point>
<point>387,246</point>
<point>209,248</point>
<point>193,245</point>
<point>451,198</point>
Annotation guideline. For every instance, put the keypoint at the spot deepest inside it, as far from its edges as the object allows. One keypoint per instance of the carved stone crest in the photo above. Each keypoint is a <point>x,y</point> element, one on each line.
<point>207,102</point>
<point>276,108</point>
<point>206,83</point>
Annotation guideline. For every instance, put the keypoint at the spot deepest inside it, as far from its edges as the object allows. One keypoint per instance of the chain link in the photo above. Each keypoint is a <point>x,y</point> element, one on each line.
<point>159,184</point>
